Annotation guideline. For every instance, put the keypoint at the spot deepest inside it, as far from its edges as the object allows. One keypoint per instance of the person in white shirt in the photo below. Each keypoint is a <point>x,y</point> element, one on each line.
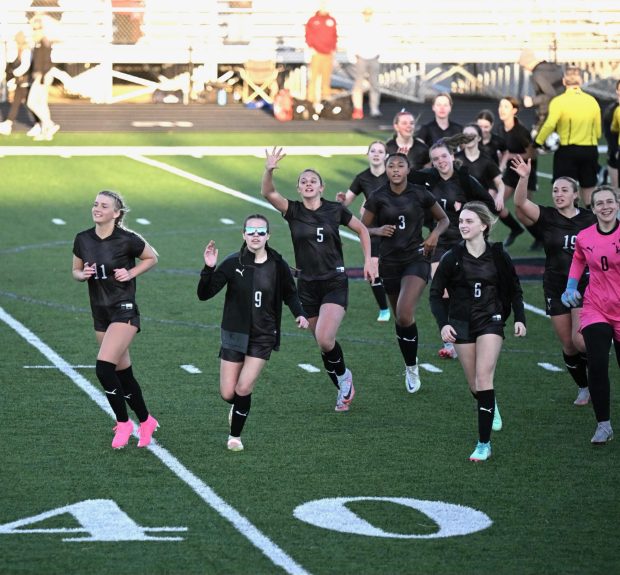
<point>367,39</point>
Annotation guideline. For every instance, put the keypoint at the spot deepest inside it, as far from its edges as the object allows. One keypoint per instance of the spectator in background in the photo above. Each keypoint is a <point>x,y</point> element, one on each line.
<point>546,79</point>
<point>20,70</point>
<point>611,129</point>
<point>322,39</point>
<point>367,40</point>
<point>576,117</point>
<point>41,77</point>
<point>441,126</point>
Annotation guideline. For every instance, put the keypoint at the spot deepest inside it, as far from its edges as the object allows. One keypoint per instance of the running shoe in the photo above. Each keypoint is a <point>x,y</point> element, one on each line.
<point>412,378</point>
<point>123,431</point>
<point>482,452</point>
<point>234,444</point>
<point>6,128</point>
<point>384,315</point>
<point>583,397</point>
<point>603,433</point>
<point>34,131</point>
<point>146,430</point>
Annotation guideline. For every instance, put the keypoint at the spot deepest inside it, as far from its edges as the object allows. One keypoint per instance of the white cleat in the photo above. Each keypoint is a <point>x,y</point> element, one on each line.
<point>412,378</point>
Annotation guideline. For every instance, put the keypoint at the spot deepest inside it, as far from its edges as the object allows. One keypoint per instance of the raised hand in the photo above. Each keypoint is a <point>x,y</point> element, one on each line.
<point>519,165</point>
<point>210,254</point>
<point>272,158</point>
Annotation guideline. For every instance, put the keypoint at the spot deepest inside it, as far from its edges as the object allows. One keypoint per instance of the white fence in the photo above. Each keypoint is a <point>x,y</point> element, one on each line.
<point>108,39</point>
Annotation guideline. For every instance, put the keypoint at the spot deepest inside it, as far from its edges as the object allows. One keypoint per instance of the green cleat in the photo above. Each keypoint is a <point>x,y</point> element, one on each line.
<point>482,452</point>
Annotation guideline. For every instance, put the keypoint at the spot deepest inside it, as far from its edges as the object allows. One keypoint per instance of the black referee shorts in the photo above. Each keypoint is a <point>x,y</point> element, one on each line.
<point>577,162</point>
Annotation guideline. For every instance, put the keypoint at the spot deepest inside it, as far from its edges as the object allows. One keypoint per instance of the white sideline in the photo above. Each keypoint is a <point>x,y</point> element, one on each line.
<point>196,151</point>
<point>241,523</point>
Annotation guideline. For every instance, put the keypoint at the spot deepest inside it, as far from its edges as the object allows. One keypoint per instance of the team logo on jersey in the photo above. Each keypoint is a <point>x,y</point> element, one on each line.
<point>615,244</point>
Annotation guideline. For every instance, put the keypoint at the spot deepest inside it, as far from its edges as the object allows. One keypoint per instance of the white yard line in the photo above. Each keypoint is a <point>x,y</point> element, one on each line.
<point>242,524</point>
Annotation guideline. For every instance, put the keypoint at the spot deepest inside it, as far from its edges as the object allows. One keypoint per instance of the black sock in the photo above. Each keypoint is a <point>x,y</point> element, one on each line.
<point>474,393</point>
<point>598,338</point>
<point>241,410</point>
<point>513,224</point>
<point>577,366</point>
<point>333,361</point>
<point>133,393</point>
<point>106,374</point>
<point>486,409</point>
<point>379,292</point>
<point>408,342</point>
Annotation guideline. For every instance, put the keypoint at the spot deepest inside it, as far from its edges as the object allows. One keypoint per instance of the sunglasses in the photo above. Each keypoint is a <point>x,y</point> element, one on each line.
<point>250,231</point>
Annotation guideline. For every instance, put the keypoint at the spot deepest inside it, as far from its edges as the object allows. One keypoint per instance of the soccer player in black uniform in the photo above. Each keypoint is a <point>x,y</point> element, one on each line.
<point>518,142</point>
<point>480,165</point>
<point>365,183</point>
<point>441,126</point>
<point>483,287</point>
<point>322,280</point>
<point>491,145</point>
<point>558,227</point>
<point>105,257</point>
<point>452,186</point>
<point>405,142</point>
<point>257,281</point>
<point>396,212</point>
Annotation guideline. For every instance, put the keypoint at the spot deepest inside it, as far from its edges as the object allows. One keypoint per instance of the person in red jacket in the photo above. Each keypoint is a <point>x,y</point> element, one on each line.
<point>321,38</point>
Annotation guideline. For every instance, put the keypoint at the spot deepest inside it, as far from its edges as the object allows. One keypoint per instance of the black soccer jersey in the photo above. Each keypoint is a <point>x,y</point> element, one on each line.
<point>484,169</point>
<point>366,182</point>
<point>450,195</point>
<point>558,234</point>
<point>481,276</point>
<point>418,153</point>
<point>119,250</point>
<point>264,320</point>
<point>406,212</point>
<point>495,146</point>
<point>431,132</point>
<point>518,139</point>
<point>316,239</point>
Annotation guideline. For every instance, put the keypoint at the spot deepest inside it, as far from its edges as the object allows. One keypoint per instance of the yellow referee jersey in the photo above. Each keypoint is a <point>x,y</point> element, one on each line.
<point>575,116</point>
<point>615,123</point>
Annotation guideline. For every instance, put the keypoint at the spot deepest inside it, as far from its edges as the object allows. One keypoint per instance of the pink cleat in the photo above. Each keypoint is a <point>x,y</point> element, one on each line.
<point>123,430</point>
<point>146,430</point>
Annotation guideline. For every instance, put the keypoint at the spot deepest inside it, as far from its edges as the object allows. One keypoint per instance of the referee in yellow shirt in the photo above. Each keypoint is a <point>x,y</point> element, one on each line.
<point>576,117</point>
